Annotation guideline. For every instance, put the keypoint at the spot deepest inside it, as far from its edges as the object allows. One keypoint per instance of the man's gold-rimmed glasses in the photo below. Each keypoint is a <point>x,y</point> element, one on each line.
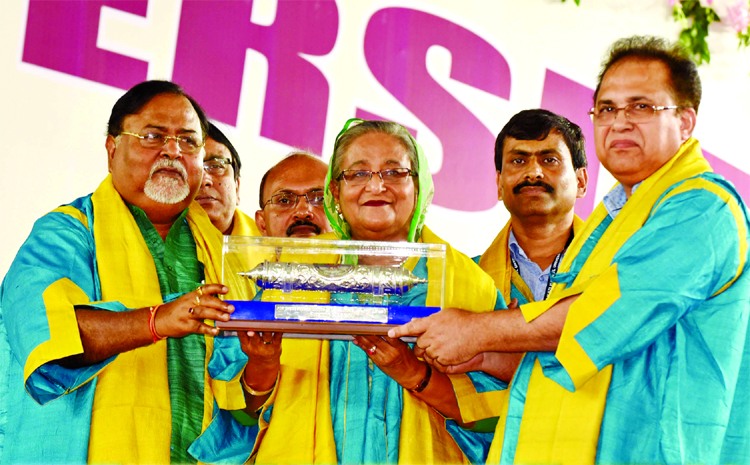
<point>604,114</point>
<point>154,140</point>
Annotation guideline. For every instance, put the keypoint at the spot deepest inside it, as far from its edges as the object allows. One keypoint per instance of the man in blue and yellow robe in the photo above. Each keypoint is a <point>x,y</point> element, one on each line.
<point>541,170</point>
<point>649,316</point>
<point>138,241</point>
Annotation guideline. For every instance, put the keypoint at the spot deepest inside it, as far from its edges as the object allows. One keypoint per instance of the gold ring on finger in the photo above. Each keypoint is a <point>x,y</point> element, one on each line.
<point>199,291</point>
<point>197,300</point>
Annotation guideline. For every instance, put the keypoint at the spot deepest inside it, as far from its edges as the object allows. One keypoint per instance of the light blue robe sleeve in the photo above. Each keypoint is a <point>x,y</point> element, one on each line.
<point>59,248</point>
<point>476,442</point>
<point>225,440</point>
<point>687,251</point>
<point>57,258</point>
<point>228,359</point>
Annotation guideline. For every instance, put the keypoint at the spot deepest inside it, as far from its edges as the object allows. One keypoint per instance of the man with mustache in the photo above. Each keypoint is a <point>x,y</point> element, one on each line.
<point>103,335</point>
<point>541,170</point>
<point>541,162</point>
<point>219,194</point>
<point>642,349</point>
<point>291,198</point>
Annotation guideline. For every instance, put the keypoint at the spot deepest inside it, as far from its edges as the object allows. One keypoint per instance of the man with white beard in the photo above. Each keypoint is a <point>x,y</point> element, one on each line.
<point>103,309</point>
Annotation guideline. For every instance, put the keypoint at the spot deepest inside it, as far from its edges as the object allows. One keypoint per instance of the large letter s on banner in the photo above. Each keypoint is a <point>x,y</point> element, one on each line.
<point>396,44</point>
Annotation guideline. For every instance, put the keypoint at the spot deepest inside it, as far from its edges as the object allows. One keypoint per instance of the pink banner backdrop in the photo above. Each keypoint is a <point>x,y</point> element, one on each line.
<point>209,61</point>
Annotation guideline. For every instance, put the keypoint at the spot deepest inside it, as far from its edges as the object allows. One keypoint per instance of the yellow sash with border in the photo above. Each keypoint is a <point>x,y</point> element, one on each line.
<point>560,426</point>
<point>131,417</point>
<point>495,261</point>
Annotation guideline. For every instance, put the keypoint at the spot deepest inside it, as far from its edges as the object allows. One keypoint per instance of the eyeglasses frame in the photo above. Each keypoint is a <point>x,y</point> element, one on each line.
<point>296,200</point>
<point>166,140</point>
<point>594,114</point>
<point>223,161</point>
<point>412,174</point>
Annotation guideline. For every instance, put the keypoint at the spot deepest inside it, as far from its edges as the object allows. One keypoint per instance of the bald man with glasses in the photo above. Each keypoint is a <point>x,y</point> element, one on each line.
<point>291,198</point>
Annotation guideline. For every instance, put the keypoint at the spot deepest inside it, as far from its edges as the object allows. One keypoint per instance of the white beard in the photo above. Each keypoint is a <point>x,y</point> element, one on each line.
<point>167,189</point>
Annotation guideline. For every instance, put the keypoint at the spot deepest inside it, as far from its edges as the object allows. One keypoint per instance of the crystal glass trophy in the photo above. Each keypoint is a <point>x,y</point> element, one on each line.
<point>332,289</point>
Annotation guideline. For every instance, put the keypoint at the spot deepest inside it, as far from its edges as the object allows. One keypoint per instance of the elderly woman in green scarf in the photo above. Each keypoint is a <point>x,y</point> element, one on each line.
<point>334,402</point>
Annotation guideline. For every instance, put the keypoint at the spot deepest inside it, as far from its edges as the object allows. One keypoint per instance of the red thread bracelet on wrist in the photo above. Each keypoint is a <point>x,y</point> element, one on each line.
<point>152,323</point>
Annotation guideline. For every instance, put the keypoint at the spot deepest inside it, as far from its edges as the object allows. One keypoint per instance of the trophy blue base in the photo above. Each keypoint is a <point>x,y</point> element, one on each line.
<point>319,321</point>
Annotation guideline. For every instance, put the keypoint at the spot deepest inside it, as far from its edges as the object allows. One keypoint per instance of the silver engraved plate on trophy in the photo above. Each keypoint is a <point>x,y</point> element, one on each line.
<point>374,279</point>
<point>334,313</point>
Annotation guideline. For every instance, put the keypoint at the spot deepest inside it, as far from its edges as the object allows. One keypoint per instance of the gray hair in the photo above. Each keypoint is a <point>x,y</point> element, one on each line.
<point>346,139</point>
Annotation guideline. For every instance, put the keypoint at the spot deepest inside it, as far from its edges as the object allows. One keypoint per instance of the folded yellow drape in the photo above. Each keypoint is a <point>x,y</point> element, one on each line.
<point>560,426</point>
<point>131,418</point>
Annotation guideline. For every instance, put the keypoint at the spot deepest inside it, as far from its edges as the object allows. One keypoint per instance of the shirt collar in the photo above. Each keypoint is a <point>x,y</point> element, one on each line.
<point>515,249</point>
<point>615,199</point>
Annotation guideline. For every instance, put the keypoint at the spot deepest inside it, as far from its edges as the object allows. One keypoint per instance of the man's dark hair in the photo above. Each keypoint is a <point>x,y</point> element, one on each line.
<point>536,125</point>
<point>263,186</point>
<point>139,95</point>
<point>216,134</point>
<point>686,84</point>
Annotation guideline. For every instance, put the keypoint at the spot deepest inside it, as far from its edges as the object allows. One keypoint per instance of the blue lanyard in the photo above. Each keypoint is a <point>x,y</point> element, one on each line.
<point>553,268</point>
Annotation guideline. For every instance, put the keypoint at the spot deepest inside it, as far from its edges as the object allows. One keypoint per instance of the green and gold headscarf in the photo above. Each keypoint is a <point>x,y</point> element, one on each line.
<point>425,191</point>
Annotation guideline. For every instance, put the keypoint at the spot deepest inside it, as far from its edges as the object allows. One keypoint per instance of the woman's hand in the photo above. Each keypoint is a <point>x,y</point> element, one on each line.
<point>263,350</point>
<point>395,358</point>
<point>185,315</point>
<point>398,361</point>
